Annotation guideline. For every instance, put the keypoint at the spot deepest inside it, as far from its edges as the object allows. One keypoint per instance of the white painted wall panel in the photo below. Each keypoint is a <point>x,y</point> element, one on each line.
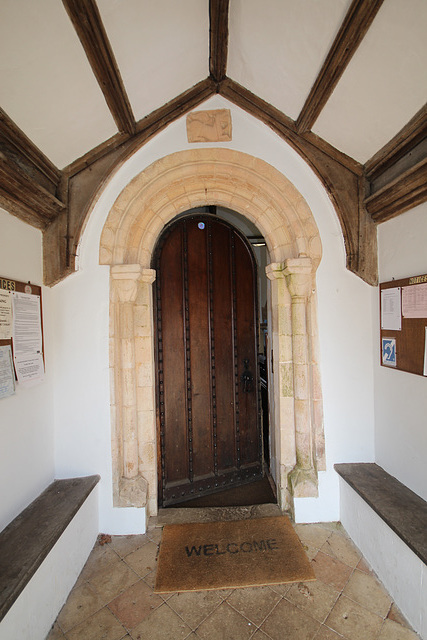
<point>26,418</point>
<point>400,397</point>
<point>277,47</point>
<point>162,47</point>
<point>46,84</point>
<point>384,84</point>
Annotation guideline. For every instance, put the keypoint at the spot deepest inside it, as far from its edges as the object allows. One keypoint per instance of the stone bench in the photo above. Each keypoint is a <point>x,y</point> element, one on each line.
<point>27,541</point>
<point>388,522</point>
<point>400,508</point>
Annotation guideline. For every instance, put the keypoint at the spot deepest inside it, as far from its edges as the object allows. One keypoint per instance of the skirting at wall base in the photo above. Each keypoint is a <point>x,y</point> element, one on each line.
<point>403,574</point>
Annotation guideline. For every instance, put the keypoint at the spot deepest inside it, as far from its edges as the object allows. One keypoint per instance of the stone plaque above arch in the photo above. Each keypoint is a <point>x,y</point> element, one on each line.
<point>256,190</point>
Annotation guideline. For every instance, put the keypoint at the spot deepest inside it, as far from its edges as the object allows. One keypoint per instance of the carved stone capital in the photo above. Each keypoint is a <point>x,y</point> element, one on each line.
<point>274,271</point>
<point>132,492</point>
<point>298,274</point>
<point>125,278</point>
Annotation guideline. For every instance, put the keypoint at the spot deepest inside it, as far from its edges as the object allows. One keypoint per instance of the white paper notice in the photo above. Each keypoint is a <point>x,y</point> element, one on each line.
<point>27,337</point>
<point>414,301</point>
<point>7,376</point>
<point>391,309</point>
<point>5,315</point>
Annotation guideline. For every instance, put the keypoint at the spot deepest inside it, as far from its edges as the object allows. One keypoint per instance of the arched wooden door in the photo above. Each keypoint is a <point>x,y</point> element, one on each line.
<point>207,375</point>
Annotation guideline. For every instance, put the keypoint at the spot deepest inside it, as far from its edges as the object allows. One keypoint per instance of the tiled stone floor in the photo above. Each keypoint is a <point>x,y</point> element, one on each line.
<point>113,599</point>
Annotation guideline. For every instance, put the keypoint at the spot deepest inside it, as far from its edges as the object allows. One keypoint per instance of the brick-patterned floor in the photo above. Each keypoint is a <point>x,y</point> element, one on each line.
<point>113,599</point>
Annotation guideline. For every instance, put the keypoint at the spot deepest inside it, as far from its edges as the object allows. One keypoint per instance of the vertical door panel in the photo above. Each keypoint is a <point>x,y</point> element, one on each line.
<point>206,329</point>
<point>172,383</point>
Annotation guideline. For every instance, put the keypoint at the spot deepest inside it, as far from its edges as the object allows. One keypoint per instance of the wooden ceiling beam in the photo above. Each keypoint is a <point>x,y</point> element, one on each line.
<point>88,174</point>
<point>342,177</point>
<point>218,38</point>
<point>86,19</point>
<point>29,181</point>
<point>401,194</point>
<point>401,145</point>
<point>351,33</point>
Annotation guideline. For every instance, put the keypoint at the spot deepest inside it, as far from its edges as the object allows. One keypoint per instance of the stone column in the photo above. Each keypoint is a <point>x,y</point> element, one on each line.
<point>299,279</point>
<point>282,394</point>
<point>130,488</point>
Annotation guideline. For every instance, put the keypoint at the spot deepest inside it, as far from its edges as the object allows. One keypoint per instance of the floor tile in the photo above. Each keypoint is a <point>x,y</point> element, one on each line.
<point>225,623</point>
<point>331,571</point>
<point>325,633</point>
<point>287,621</point>
<point>342,549</point>
<point>260,635</point>
<point>55,633</point>
<point>109,584</point>
<point>397,616</point>
<point>362,565</point>
<point>101,558</point>
<point>143,560</point>
<point>281,589</point>
<point>162,624</point>
<point>135,604</point>
<point>82,602</point>
<point>368,592</point>
<point>315,598</point>
<point>123,545</point>
<point>255,603</point>
<point>394,631</point>
<point>353,621</point>
<point>101,626</point>
<point>312,535</point>
<point>194,606</point>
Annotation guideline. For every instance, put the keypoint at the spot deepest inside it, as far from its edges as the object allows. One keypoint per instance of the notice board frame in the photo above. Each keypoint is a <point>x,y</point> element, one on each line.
<point>410,340</point>
<point>9,284</point>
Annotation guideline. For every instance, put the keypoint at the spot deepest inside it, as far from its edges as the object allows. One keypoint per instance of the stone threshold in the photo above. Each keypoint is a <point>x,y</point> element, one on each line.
<point>401,509</point>
<point>27,540</point>
<point>182,515</point>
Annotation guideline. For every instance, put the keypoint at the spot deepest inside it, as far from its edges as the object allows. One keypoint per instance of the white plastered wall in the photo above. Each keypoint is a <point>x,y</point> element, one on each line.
<point>26,418</point>
<point>345,307</point>
<point>400,397</point>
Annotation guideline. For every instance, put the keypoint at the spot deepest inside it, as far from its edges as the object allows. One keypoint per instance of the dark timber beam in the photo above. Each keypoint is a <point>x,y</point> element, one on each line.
<point>85,16</point>
<point>352,31</point>
<point>29,181</point>
<point>218,38</point>
<point>397,173</point>
<point>401,194</point>
<point>342,177</point>
<point>88,174</point>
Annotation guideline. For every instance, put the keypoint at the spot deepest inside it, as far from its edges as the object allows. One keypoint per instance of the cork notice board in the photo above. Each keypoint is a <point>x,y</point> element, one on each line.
<point>403,318</point>
<point>9,286</point>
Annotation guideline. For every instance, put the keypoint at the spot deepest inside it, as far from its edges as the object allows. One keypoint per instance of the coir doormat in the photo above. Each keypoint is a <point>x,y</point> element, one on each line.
<point>242,553</point>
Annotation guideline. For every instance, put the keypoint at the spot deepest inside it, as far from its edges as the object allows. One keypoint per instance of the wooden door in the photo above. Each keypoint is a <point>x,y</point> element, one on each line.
<point>207,374</point>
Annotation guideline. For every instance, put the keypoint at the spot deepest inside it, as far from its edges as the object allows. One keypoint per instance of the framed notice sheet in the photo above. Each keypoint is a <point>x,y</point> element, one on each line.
<point>21,330</point>
<point>403,307</point>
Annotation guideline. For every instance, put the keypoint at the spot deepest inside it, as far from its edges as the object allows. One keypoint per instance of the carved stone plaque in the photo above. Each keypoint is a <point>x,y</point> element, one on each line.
<point>209,126</point>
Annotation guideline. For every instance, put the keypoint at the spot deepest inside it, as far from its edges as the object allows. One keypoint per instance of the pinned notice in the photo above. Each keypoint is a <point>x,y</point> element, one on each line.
<point>414,301</point>
<point>391,309</point>
<point>7,377</point>
<point>5,315</point>
<point>27,337</point>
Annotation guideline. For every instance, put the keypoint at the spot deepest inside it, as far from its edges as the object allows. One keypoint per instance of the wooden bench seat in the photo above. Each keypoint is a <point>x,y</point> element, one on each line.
<point>401,509</point>
<point>28,539</point>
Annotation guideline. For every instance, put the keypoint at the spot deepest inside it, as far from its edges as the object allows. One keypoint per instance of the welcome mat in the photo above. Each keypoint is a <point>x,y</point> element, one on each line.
<point>243,553</point>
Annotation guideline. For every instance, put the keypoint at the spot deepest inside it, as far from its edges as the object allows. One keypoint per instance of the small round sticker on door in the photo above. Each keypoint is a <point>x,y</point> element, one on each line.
<point>201,225</point>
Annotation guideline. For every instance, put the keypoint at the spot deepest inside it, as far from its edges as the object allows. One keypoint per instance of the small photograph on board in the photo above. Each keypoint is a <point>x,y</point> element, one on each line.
<point>389,351</point>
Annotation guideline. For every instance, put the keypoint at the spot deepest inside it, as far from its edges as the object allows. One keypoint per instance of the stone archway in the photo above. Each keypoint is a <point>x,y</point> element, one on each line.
<point>255,189</point>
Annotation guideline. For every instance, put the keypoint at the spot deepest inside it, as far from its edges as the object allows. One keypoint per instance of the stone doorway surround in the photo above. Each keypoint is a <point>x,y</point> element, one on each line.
<point>253,188</point>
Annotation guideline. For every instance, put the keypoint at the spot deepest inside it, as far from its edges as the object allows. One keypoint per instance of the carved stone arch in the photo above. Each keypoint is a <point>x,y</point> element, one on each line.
<point>255,189</point>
